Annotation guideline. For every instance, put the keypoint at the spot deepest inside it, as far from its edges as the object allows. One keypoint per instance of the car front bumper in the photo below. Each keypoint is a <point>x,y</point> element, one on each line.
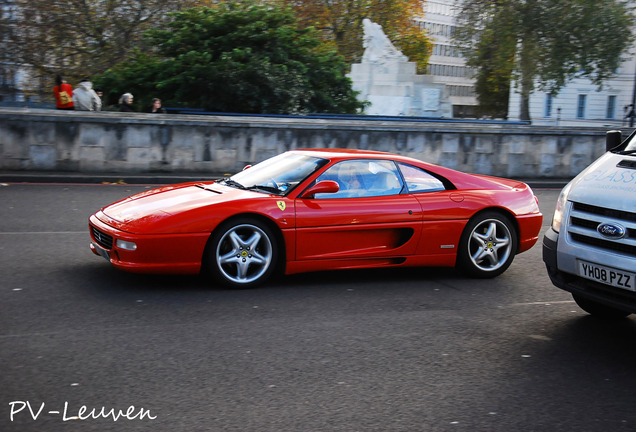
<point>595,291</point>
<point>154,253</point>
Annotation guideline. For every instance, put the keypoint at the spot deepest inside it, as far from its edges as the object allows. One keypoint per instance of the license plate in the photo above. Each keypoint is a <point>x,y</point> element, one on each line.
<point>607,275</point>
<point>103,252</point>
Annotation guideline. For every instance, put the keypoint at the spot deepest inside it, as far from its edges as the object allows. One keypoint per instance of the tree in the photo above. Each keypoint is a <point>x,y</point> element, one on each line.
<point>76,38</point>
<point>547,42</point>
<point>340,23</point>
<point>242,57</point>
<point>493,55</point>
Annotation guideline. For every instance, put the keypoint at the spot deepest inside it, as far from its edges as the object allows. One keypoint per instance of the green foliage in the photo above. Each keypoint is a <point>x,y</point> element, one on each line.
<point>493,57</point>
<point>545,42</point>
<point>136,77</point>
<point>585,38</point>
<point>238,57</point>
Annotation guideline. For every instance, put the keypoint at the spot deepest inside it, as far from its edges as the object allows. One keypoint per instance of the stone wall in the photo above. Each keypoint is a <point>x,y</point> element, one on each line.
<point>108,142</point>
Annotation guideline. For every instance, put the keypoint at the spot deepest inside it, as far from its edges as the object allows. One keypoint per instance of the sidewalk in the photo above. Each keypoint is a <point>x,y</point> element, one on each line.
<point>172,178</point>
<point>99,178</point>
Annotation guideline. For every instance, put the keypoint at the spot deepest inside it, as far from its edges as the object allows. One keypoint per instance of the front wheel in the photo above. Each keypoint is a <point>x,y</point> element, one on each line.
<point>242,253</point>
<point>487,246</point>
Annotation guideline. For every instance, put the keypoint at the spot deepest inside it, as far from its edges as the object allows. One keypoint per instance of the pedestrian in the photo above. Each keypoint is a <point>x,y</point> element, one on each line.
<point>85,98</point>
<point>630,115</point>
<point>63,93</point>
<point>125,103</point>
<point>155,107</point>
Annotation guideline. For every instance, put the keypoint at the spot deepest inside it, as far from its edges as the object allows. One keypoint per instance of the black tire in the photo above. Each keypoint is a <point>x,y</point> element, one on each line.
<point>488,245</point>
<point>242,253</point>
<point>599,310</point>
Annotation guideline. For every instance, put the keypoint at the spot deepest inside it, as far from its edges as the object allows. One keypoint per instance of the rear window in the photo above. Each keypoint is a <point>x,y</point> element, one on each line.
<point>418,180</point>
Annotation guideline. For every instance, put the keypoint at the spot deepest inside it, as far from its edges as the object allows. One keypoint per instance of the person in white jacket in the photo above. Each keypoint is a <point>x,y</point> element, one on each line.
<point>85,98</point>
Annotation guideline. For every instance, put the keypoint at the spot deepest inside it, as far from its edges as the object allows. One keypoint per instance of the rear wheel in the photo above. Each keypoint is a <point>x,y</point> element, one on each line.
<point>488,245</point>
<point>599,310</point>
<point>242,253</point>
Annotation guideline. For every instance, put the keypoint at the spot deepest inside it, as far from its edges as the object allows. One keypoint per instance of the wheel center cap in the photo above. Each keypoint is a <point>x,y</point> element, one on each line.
<point>244,254</point>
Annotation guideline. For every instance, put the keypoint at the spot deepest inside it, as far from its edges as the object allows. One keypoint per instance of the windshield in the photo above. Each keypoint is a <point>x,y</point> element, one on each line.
<point>278,175</point>
<point>631,147</point>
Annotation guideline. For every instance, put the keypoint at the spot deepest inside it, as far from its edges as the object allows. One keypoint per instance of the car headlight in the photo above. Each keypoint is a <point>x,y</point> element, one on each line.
<point>126,245</point>
<point>560,208</point>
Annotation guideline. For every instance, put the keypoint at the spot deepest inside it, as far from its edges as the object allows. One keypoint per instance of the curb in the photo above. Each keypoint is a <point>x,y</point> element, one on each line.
<point>102,178</point>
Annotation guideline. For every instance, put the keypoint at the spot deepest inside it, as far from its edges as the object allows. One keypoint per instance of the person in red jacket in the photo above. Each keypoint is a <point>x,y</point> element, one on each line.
<point>63,94</point>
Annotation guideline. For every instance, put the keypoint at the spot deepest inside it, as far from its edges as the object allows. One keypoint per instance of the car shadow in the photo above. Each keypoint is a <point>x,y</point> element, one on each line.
<point>591,359</point>
<point>597,339</point>
<point>108,279</point>
<point>370,276</point>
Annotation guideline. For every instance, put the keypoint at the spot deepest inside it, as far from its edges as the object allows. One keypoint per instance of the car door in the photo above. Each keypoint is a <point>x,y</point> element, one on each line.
<point>443,215</point>
<point>369,216</point>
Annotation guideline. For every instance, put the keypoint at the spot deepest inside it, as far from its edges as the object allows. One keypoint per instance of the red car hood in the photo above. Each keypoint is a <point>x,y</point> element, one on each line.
<point>174,209</point>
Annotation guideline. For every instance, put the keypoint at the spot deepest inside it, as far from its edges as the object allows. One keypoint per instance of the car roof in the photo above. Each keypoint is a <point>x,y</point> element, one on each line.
<point>342,154</point>
<point>460,180</point>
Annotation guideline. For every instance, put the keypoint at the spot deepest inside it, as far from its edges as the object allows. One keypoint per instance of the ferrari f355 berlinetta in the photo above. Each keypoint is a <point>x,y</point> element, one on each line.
<point>321,209</point>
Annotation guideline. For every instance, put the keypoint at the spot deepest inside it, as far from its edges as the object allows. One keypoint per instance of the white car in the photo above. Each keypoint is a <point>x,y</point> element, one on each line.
<point>590,249</point>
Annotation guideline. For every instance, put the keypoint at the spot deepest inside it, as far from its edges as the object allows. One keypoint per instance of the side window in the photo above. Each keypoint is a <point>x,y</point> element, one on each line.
<point>363,178</point>
<point>418,180</point>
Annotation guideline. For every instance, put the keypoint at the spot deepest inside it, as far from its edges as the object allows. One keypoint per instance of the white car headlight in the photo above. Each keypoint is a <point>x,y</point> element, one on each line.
<point>557,220</point>
<point>126,245</point>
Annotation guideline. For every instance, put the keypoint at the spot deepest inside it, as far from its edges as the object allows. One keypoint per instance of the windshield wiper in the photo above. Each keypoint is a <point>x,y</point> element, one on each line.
<point>265,188</point>
<point>234,183</point>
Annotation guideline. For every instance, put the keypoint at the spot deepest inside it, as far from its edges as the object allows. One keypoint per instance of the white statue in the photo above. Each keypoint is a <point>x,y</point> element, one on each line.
<point>377,47</point>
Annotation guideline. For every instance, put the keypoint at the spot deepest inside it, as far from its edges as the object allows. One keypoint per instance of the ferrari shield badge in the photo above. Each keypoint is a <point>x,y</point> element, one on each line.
<point>281,205</point>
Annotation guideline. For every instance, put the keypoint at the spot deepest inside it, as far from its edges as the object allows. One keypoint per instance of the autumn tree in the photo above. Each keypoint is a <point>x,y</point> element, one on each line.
<point>77,37</point>
<point>340,23</point>
<point>243,57</point>
<point>542,43</point>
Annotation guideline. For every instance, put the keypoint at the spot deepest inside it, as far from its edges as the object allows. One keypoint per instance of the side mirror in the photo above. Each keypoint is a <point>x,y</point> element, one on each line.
<point>613,139</point>
<point>325,186</point>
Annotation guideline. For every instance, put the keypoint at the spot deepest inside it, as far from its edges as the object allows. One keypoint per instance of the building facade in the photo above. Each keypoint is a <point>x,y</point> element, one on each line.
<point>583,103</point>
<point>446,64</point>
<point>580,102</point>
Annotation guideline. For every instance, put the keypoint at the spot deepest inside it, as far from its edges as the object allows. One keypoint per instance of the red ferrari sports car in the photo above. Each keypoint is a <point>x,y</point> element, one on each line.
<point>309,210</point>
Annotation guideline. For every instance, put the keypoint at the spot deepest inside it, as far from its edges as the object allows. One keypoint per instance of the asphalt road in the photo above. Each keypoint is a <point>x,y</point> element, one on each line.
<point>409,350</point>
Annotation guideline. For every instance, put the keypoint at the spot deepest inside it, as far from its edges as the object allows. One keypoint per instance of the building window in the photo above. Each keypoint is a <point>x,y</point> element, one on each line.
<point>548,105</point>
<point>611,107</point>
<point>580,108</point>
